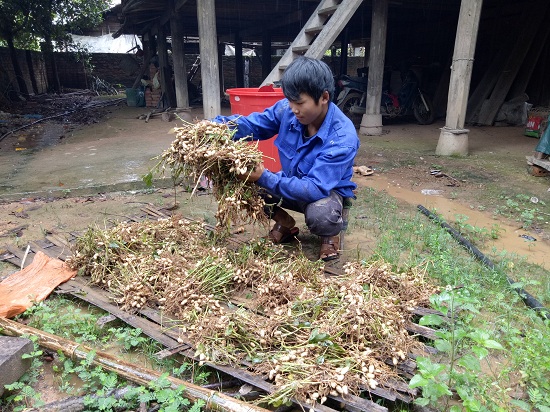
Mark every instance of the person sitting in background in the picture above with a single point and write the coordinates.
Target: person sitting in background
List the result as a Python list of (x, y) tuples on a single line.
[(317, 144)]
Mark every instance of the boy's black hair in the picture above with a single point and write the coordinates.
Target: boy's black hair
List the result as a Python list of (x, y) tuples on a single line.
[(307, 75)]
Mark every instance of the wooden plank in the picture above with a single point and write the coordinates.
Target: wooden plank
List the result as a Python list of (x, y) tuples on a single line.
[(531, 60), (544, 163), (81, 291), (59, 240), (156, 327), (362, 404), (423, 331), (77, 288), (531, 19), (11, 258), (50, 249), (390, 394), (486, 85)]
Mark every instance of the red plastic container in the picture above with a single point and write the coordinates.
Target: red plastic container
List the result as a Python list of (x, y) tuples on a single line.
[(248, 100)]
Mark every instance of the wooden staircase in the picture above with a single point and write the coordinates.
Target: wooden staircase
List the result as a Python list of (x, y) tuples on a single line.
[(317, 35)]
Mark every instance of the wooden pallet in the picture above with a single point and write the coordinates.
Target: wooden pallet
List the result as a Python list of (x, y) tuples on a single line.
[(161, 329)]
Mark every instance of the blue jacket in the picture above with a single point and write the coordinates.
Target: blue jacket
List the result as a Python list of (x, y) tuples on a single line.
[(311, 168)]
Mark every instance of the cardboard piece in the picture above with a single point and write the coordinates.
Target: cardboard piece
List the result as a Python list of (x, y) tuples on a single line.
[(20, 290)]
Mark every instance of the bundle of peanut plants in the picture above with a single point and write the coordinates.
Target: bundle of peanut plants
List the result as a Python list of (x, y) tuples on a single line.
[(207, 150), (312, 336)]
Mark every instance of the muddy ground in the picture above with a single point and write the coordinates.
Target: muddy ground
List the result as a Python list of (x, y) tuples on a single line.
[(478, 186), (402, 160)]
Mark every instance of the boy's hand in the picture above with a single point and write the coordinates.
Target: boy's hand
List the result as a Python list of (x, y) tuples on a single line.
[(254, 175)]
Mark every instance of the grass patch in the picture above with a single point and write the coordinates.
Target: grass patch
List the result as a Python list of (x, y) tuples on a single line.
[(493, 353)]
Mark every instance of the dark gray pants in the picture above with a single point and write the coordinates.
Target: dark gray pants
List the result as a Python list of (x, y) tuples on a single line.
[(323, 217)]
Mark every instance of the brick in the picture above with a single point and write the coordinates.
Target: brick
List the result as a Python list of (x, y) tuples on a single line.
[(12, 365)]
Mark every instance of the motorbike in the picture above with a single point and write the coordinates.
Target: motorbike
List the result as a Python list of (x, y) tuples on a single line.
[(409, 100)]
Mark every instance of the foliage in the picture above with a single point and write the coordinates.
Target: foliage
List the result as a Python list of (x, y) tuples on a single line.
[(485, 304), (30, 22), (465, 346), (529, 210), (63, 317)]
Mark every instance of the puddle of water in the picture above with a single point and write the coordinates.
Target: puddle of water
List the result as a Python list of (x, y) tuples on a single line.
[(509, 239)]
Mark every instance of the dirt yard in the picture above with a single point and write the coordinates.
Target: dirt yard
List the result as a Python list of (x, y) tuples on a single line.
[(480, 186), (42, 192)]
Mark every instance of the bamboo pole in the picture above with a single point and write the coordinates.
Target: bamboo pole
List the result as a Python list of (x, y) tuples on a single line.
[(135, 373)]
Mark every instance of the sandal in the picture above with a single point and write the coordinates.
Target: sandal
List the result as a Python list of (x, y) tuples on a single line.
[(281, 234), (329, 248)]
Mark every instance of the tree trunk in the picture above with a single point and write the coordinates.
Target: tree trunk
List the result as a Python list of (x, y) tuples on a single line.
[(32, 74), (49, 56), (17, 68)]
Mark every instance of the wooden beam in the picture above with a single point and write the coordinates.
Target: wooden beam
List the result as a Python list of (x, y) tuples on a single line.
[(176, 5), (531, 19), (266, 53), (371, 123), (165, 68), (178, 61), (273, 23), (239, 61), (530, 62), (206, 14)]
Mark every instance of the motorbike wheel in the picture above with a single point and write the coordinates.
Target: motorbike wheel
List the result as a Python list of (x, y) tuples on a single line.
[(423, 115), (352, 99)]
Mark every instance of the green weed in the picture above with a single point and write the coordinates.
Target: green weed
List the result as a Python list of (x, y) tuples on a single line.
[(66, 318), (488, 334)]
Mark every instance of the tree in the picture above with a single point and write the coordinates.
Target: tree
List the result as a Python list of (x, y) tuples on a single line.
[(26, 22), (14, 21), (55, 18)]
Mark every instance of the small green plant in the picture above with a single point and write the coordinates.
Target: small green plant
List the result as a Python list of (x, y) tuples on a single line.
[(523, 208), (475, 234), (530, 361), (496, 230), (130, 338), (464, 347), (111, 393)]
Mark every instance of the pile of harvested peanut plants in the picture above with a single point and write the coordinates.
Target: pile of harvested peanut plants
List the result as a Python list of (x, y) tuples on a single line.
[(312, 336), (206, 150)]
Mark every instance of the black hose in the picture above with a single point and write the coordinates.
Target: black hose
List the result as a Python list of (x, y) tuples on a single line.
[(527, 298)]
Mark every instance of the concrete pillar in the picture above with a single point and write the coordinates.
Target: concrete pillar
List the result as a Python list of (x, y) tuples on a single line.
[(208, 46), (453, 139), (178, 58), (371, 124)]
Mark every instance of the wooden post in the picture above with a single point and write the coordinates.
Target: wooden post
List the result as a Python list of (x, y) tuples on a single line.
[(453, 139), (344, 42), (221, 53), (178, 59), (371, 124), (266, 53), (239, 61), (206, 13), (147, 54), (165, 70)]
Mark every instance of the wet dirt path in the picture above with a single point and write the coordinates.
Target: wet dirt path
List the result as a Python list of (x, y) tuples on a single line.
[(509, 240)]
